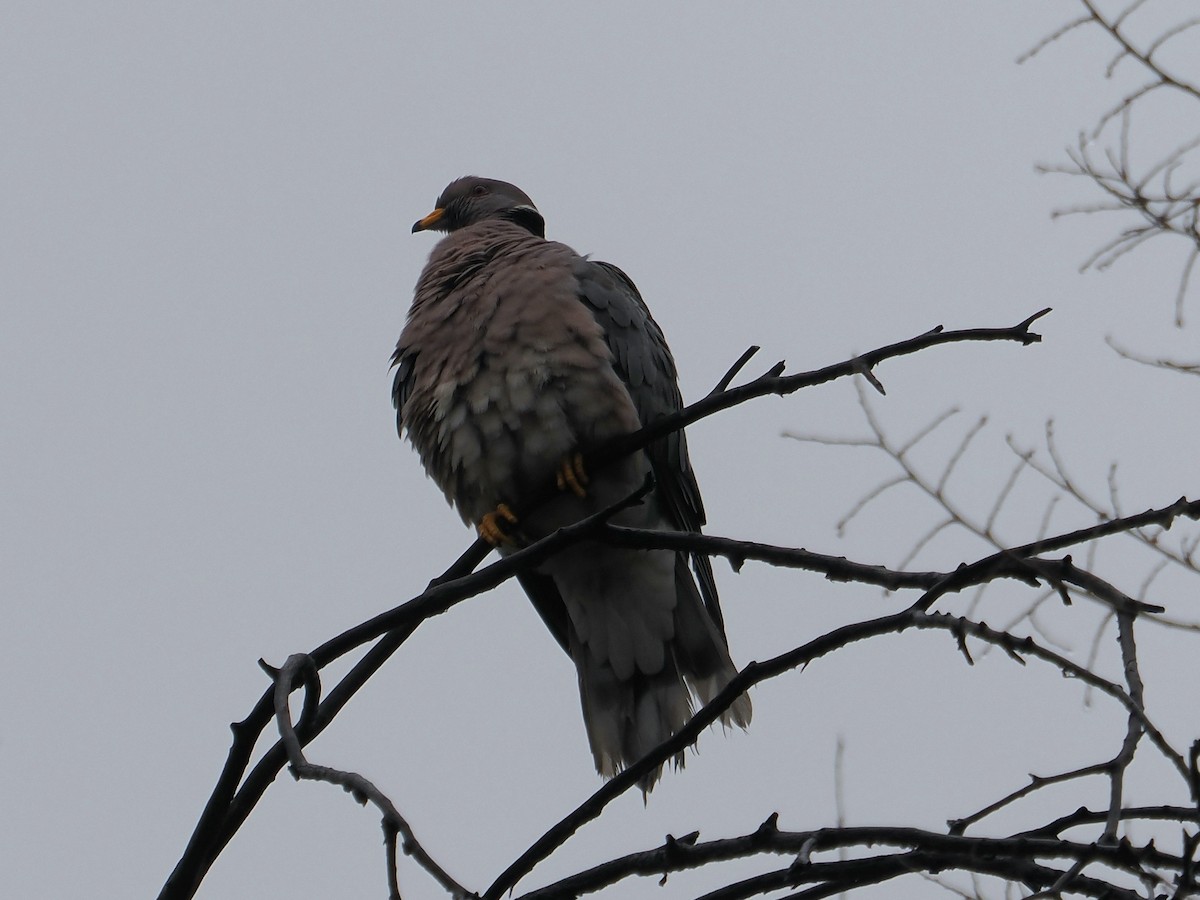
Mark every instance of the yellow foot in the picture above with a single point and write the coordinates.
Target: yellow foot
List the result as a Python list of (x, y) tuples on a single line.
[(571, 475), (492, 531)]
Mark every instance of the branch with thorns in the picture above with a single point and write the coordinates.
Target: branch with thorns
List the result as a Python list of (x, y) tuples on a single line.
[(239, 790), (240, 787)]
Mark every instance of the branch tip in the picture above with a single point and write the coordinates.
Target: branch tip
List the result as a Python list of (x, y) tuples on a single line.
[(1024, 326), (728, 377)]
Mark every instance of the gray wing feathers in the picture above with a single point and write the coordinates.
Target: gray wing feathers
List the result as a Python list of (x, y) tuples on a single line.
[(644, 362), (517, 351)]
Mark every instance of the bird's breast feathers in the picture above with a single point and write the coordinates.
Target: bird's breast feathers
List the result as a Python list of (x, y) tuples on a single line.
[(513, 372)]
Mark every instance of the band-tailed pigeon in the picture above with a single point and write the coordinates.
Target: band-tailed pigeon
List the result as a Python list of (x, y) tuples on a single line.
[(518, 354)]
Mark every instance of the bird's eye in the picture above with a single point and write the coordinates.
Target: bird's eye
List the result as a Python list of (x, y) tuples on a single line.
[(479, 190)]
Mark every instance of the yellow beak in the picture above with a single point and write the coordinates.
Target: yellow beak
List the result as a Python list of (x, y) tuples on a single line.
[(429, 221)]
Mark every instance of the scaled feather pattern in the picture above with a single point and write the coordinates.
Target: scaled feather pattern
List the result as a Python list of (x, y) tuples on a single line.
[(517, 354)]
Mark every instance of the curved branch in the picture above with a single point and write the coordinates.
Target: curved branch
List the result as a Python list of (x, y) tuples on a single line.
[(948, 850), (229, 804), (755, 672)]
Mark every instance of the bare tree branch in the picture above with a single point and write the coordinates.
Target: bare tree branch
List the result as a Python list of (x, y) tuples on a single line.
[(300, 666), (1163, 207), (234, 796)]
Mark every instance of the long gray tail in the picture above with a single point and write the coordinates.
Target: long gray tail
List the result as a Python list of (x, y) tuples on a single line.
[(679, 656)]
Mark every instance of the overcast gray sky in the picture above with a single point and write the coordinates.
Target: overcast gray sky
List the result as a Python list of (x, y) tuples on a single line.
[(205, 261)]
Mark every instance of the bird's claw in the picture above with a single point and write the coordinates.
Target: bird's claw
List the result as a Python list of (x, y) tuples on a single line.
[(491, 529), (572, 476)]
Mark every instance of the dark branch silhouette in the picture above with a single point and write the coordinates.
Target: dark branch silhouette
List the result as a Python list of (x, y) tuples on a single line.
[(1021, 574), (238, 791)]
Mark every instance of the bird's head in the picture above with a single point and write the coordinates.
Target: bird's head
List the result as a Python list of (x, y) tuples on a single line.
[(473, 199)]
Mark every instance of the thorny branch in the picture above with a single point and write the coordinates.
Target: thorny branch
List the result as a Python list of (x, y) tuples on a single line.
[(1010, 858), (753, 673), (237, 792), (1122, 608), (1055, 472), (677, 855), (1039, 859), (1166, 209)]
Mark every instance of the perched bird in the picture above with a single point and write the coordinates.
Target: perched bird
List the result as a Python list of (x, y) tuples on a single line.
[(517, 355)]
